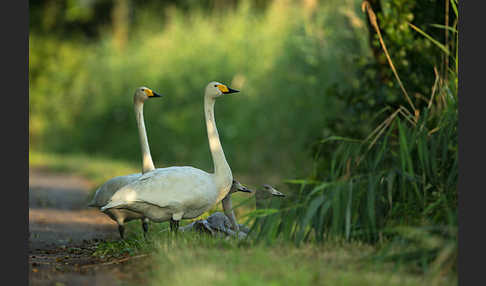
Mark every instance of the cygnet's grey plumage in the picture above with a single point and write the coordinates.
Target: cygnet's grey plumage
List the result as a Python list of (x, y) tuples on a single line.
[(219, 222)]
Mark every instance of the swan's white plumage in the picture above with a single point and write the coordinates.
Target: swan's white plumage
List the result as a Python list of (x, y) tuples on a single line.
[(185, 191), (105, 191), (181, 192)]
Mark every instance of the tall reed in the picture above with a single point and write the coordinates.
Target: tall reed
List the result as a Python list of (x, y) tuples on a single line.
[(398, 185)]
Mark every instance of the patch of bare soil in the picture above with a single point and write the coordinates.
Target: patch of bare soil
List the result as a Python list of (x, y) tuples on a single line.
[(64, 233)]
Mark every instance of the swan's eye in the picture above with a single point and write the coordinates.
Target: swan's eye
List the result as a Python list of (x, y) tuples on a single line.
[(143, 89), (215, 85)]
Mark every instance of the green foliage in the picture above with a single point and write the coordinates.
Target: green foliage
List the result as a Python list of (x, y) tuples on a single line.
[(414, 57), (190, 259), (280, 59), (399, 182), (409, 178)]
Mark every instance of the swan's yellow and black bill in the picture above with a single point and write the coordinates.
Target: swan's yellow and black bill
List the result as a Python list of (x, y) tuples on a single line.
[(150, 93), (226, 90), (156, 95), (231, 91)]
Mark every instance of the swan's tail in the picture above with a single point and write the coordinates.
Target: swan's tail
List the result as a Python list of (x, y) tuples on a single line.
[(110, 205), (92, 204)]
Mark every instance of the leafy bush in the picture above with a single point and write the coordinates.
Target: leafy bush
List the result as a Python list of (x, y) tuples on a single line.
[(401, 179), (414, 57)]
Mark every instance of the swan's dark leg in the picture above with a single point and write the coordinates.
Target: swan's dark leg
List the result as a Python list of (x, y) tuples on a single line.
[(121, 230), (174, 225), (145, 227), (120, 220)]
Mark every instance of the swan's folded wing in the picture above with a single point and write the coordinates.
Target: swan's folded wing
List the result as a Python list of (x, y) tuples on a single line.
[(163, 187), (104, 193)]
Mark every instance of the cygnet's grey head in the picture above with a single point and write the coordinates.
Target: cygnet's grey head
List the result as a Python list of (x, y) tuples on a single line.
[(272, 191), (238, 187), (264, 197)]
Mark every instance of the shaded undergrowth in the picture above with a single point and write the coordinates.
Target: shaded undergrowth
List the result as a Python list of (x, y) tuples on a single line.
[(396, 189)]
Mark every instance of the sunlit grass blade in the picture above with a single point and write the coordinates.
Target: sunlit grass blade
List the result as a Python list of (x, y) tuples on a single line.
[(454, 7), (434, 41), (450, 29)]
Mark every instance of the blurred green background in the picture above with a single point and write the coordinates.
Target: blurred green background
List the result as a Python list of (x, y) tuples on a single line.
[(87, 57), (300, 65)]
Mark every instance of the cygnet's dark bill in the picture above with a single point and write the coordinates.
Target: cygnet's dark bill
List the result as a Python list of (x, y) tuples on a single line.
[(244, 189), (277, 193)]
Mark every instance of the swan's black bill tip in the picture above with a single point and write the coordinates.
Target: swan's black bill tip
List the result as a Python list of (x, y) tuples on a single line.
[(156, 95), (230, 90)]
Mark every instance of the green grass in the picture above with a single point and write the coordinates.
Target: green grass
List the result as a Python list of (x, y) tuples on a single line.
[(198, 258), (194, 259)]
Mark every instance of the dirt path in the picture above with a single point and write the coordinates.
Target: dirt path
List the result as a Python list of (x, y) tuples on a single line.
[(64, 233)]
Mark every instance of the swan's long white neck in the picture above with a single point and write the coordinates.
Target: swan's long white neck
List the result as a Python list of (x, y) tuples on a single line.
[(222, 172), (147, 163)]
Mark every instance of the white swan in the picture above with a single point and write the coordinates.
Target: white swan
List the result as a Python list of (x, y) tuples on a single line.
[(176, 193), (105, 191)]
